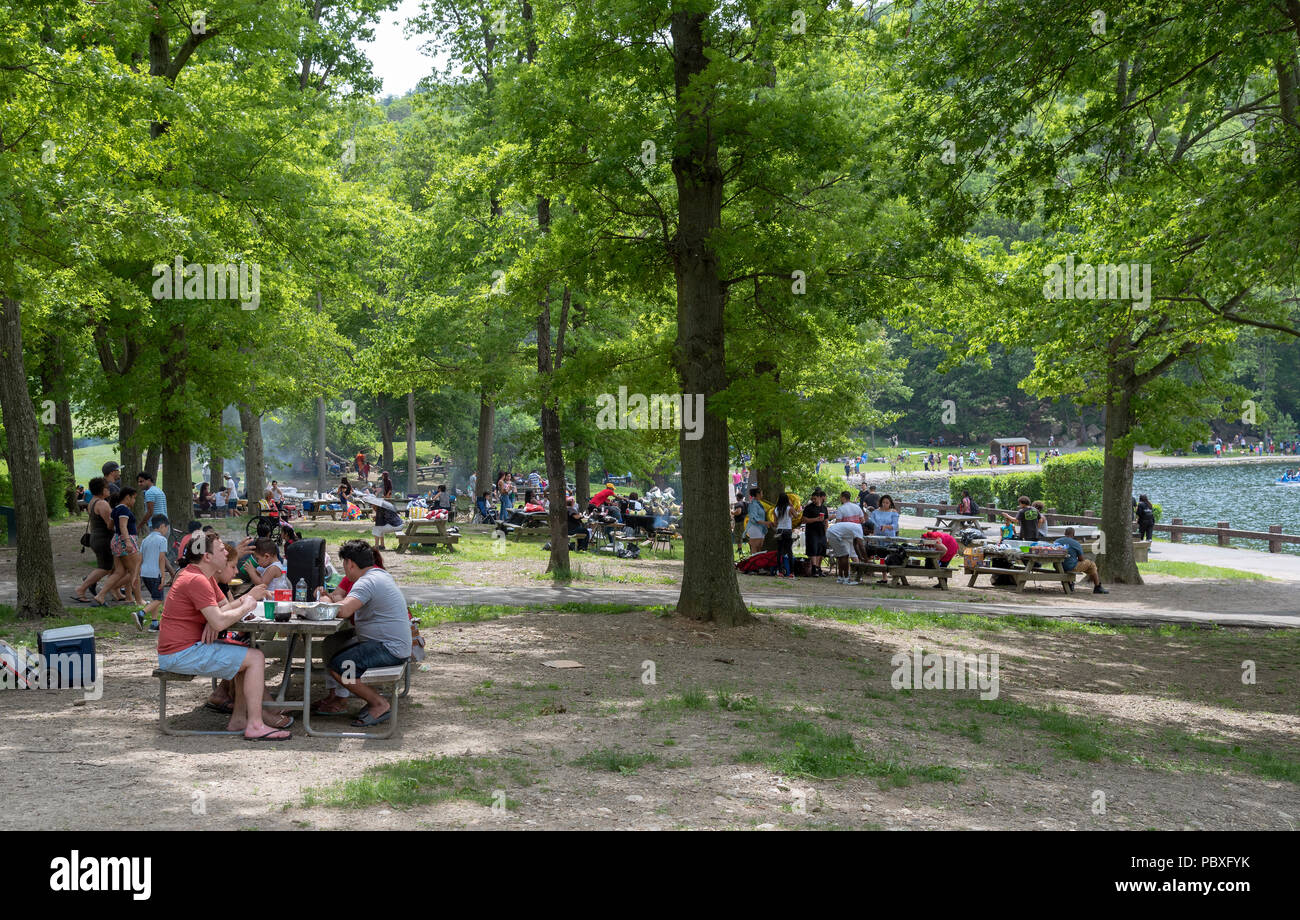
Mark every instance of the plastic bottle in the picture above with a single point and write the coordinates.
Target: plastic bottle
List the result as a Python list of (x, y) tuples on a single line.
[(300, 590)]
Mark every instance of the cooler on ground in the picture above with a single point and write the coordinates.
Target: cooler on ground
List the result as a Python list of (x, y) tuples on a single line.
[(69, 657)]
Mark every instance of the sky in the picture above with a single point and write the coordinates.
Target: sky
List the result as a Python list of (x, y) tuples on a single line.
[(397, 59)]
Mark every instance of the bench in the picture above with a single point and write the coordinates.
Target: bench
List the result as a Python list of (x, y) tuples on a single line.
[(896, 572), (380, 677), (1023, 576), (163, 678), (332, 513), (426, 533)]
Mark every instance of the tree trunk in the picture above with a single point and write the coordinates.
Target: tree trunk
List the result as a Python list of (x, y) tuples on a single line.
[(581, 477), (218, 466), (250, 423), (128, 448), (38, 592), (151, 458), (411, 463), (67, 452), (486, 424), (385, 433), (176, 467), (552, 445), (322, 459), (768, 445), (1117, 490), (709, 589)]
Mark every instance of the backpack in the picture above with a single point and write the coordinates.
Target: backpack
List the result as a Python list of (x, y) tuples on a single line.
[(758, 563)]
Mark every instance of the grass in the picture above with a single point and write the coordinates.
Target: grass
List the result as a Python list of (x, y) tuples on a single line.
[(423, 781), (436, 614), (109, 623), (1196, 570), (816, 754)]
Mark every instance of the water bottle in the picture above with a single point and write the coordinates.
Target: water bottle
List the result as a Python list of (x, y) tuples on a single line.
[(300, 590)]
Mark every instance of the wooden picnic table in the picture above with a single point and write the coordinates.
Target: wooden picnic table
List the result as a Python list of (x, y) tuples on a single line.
[(1030, 568), (426, 533), (929, 568), (956, 522), (297, 629)]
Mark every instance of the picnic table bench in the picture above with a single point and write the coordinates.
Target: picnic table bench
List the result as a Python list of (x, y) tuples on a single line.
[(426, 533), (527, 525), (896, 573), (1033, 568)]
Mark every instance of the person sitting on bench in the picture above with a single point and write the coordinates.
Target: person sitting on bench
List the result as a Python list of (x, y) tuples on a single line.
[(193, 617), (381, 639), (1075, 562)]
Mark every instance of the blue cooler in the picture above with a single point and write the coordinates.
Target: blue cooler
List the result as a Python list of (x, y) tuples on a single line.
[(57, 648)]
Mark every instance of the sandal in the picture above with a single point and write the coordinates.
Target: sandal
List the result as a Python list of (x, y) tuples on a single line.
[(367, 720), (267, 736), (225, 708)]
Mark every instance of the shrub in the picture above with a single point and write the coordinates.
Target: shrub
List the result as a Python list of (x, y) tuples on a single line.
[(1072, 483), (55, 480), (1008, 487)]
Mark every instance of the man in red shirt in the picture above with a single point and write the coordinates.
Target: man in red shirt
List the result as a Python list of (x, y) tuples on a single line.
[(193, 615), (604, 495)]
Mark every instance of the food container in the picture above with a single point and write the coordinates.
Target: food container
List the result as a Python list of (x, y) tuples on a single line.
[(316, 611)]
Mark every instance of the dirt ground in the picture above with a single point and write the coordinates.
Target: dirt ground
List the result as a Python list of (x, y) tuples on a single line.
[(788, 722)]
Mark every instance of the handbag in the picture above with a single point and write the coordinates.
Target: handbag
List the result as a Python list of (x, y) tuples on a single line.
[(85, 537)]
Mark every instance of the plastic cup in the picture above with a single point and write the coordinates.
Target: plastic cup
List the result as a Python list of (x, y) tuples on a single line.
[(268, 609)]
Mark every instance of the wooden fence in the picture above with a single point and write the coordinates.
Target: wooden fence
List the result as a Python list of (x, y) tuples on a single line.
[(1175, 528)]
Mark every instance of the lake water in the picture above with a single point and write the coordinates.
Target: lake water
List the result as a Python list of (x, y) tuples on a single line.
[(1245, 495)]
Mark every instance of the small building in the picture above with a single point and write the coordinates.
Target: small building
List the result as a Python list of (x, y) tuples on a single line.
[(1010, 451)]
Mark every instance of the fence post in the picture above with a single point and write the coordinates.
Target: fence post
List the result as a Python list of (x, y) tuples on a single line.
[(1087, 513), (1175, 535), (1275, 546), (1223, 538)]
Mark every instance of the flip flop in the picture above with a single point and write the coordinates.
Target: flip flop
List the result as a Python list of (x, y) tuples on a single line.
[(224, 708), (368, 720), (81, 600), (330, 712), (267, 736), (280, 728)]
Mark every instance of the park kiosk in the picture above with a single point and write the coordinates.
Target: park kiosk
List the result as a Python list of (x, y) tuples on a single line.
[(1010, 451)]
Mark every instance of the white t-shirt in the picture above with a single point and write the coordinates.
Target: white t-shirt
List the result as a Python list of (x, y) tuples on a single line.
[(783, 521), (845, 531), (849, 511)]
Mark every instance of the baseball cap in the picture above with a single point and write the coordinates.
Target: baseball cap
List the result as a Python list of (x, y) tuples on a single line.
[(109, 467)]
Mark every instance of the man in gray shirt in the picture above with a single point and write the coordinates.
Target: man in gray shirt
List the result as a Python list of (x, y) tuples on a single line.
[(383, 633)]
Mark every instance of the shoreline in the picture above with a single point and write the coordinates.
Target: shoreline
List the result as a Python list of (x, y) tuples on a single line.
[(1141, 461)]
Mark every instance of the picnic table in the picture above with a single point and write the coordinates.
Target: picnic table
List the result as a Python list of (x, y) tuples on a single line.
[(1022, 567), (298, 631), (527, 524), (927, 568), (956, 522), (426, 533)]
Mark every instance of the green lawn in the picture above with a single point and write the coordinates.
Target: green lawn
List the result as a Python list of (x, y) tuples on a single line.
[(1196, 570)]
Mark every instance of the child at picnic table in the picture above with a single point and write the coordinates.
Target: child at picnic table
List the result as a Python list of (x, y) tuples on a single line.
[(265, 568), (950, 547)]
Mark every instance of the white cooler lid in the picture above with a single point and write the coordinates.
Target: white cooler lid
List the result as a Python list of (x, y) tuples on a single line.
[(85, 631)]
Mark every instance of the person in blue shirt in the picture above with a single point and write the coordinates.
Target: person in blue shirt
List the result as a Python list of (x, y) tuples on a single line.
[(1074, 562), (885, 518), (155, 500)]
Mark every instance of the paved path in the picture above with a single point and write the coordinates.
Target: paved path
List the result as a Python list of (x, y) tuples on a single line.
[(547, 596)]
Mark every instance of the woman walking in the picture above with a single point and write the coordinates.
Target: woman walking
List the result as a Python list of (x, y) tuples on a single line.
[(125, 546), (100, 529)]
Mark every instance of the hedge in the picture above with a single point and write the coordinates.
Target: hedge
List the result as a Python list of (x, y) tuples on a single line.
[(1000, 491), (1073, 482), (54, 480), (980, 488)]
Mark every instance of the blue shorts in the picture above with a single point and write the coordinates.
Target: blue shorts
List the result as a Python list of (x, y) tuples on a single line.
[(216, 659), (154, 585), (370, 653)]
